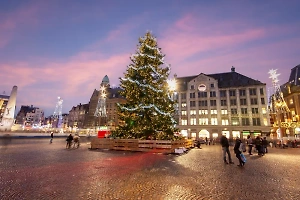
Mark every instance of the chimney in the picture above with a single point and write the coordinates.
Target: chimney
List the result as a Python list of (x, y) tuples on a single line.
[(232, 69)]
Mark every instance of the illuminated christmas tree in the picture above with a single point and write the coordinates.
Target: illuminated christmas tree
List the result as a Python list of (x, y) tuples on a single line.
[(148, 112)]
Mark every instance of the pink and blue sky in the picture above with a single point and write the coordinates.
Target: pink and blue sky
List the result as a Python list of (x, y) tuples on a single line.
[(64, 48)]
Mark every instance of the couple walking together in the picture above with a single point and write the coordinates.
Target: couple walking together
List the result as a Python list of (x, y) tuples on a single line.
[(225, 148)]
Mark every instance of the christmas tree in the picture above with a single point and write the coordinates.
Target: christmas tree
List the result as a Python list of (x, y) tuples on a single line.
[(149, 108)]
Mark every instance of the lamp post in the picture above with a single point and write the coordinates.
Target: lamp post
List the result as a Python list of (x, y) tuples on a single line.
[(172, 85)]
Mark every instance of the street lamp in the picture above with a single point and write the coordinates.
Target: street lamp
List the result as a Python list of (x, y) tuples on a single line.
[(172, 85)]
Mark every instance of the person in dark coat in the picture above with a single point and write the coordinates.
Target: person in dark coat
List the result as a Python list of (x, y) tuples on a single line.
[(225, 148), (238, 152), (258, 145), (69, 141), (265, 145), (51, 137)]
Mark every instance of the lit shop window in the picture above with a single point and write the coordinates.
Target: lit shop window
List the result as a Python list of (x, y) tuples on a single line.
[(192, 112), (203, 121), (183, 122), (193, 121), (264, 110), (225, 122), (214, 121), (203, 112), (265, 121), (235, 121), (213, 112), (224, 112), (183, 112)]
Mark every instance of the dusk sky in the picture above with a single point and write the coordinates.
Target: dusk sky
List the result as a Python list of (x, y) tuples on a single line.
[(64, 48)]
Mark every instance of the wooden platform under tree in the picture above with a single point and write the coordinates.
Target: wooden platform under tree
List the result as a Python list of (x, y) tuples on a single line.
[(157, 146)]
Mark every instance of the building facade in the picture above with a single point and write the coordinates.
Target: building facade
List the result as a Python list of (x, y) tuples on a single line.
[(30, 115), (291, 95), (111, 107), (77, 116), (35, 118), (112, 97), (210, 105)]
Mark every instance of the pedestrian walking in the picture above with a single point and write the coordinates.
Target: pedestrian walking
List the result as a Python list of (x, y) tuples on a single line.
[(238, 151), (51, 137), (258, 145), (265, 144), (225, 149), (250, 144), (69, 141)]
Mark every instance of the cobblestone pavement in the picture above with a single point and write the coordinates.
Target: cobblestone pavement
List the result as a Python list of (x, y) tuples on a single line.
[(34, 169)]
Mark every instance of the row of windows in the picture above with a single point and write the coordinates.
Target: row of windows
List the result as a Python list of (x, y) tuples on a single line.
[(223, 102), (224, 112), (223, 93), (214, 121)]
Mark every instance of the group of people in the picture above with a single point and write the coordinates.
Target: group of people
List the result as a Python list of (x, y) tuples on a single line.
[(261, 145), (70, 139)]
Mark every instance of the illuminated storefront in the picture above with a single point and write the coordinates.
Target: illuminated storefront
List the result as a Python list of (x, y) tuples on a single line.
[(256, 133), (203, 134), (226, 133), (245, 134), (236, 134)]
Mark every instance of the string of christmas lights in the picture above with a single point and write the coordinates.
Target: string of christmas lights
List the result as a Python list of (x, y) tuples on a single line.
[(149, 106), (158, 74), (142, 54), (144, 38), (153, 69), (140, 84), (153, 48)]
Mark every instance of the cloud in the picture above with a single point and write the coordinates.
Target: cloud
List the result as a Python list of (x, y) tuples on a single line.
[(24, 17), (226, 43), (74, 79), (192, 42)]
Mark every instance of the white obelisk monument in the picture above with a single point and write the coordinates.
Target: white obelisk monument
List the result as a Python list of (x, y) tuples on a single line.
[(8, 116)]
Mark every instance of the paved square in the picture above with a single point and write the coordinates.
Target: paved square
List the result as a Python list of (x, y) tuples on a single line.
[(34, 169)]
